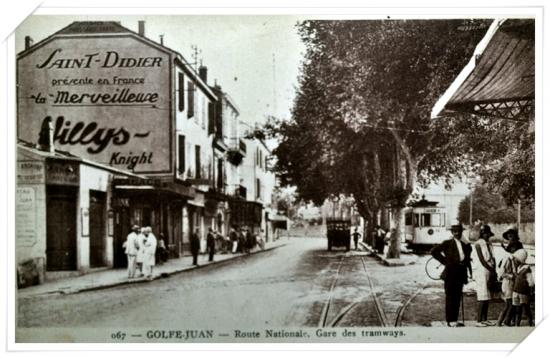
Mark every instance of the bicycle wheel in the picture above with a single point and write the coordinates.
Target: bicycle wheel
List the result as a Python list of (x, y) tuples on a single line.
[(434, 269)]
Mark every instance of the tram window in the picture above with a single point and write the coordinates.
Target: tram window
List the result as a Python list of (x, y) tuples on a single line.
[(425, 220), (436, 220), (416, 220), (408, 219), (442, 219)]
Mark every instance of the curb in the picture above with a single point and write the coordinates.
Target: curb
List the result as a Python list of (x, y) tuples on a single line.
[(155, 277), (390, 262)]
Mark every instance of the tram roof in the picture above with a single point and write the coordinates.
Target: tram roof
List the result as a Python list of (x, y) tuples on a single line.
[(499, 80)]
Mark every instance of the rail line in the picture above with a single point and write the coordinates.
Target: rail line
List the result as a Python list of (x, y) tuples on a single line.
[(326, 307), (382, 317), (323, 321)]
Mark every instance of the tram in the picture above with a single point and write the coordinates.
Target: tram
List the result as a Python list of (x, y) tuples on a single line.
[(425, 225)]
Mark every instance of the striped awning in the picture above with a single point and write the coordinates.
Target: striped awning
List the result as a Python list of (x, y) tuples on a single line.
[(499, 80)]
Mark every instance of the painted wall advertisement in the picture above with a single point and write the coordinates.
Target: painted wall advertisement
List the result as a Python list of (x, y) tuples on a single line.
[(107, 99)]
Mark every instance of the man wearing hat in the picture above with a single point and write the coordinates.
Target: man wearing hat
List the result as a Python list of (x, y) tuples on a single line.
[(131, 248), (455, 255)]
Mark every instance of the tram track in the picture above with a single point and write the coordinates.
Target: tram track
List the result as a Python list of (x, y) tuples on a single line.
[(367, 301), (344, 311)]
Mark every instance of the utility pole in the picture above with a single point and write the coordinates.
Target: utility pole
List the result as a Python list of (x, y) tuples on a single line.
[(519, 212), (471, 207)]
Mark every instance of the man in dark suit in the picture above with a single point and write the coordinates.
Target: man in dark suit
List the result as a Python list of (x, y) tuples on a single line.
[(455, 255), (195, 246)]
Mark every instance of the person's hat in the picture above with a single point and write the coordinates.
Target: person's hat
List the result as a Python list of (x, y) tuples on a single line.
[(520, 255), (457, 225), (511, 229), (135, 227), (487, 229)]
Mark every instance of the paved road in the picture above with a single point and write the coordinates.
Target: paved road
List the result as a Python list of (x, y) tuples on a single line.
[(298, 285), (284, 287)]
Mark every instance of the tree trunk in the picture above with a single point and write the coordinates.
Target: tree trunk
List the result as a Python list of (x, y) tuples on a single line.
[(406, 177), (394, 249)]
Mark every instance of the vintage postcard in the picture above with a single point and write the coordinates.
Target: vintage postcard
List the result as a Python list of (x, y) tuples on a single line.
[(276, 178)]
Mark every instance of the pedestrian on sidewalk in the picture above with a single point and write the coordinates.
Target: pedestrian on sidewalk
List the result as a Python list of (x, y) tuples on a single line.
[(241, 246), (454, 254), (195, 246), (524, 282), (356, 235), (484, 274), (387, 238), (260, 241), (150, 248), (234, 239), (211, 244), (162, 253), (141, 251), (379, 239), (131, 248), (250, 241), (506, 271)]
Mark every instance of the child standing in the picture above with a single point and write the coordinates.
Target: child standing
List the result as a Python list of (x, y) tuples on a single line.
[(506, 273), (521, 297)]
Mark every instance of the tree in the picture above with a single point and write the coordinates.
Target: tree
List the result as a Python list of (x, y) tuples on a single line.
[(360, 123), (490, 207)]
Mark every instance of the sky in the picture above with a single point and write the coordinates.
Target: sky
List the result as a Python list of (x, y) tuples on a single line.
[(256, 59)]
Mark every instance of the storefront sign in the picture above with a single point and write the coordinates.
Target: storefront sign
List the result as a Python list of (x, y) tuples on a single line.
[(63, 173), (25, 216), (30, 172), (107, 98)]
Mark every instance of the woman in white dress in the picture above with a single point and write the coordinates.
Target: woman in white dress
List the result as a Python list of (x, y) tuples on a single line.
[(483, 268)]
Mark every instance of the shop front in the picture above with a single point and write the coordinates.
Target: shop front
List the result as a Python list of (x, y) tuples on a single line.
[(64, 225), (245, 214), (150, 202)]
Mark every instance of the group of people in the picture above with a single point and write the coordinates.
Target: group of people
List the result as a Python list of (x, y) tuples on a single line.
[(242, 240), (141, 249), (511, 278)]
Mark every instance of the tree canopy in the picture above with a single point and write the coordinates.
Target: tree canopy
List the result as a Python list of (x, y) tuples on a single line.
[(364, 99), (492, 208)]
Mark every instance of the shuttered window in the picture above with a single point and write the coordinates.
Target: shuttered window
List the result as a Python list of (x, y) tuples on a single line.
[(190, 99), (181, 154), (181, 92)]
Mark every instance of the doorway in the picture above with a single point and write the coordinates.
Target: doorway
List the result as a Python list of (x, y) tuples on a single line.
[(97, 228), (61, 202)]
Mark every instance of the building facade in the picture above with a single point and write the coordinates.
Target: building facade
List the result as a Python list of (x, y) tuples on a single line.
[(160, 147)]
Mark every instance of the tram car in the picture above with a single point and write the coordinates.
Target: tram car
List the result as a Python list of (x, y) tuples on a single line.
[(425, 225), (338, 233)]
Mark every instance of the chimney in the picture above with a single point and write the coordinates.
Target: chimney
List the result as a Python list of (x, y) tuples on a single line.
[(161, 40), (203, 73), (141, 28), (28, 42)]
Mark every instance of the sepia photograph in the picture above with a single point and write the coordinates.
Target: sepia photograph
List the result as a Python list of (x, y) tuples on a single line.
[(275, 178)]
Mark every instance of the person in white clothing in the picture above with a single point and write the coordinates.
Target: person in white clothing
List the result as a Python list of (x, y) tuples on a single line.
[(149, 249), (131, 248), (483, 267)]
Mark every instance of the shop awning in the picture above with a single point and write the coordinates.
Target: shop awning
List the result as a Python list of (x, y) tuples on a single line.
[(142, 185), (499, 80)]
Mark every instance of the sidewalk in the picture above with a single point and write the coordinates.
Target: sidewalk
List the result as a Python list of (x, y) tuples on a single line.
[(115, 277), (406, 257)]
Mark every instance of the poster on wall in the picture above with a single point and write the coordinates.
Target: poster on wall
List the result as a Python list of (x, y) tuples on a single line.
[(107, 97)]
